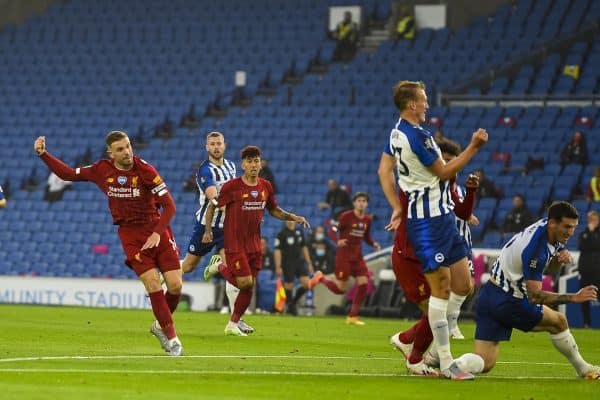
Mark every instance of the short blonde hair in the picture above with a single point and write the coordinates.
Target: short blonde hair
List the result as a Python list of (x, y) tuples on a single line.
[(405, 91)]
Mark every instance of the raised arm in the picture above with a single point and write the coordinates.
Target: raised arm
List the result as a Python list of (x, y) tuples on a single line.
[(55, 165), (445, 172)]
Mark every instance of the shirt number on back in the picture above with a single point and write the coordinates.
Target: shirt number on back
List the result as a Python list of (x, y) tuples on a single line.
[(402, 167)]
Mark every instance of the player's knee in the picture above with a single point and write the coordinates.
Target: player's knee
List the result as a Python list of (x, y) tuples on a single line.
[(174, 287), (561, 324), (463, 288)]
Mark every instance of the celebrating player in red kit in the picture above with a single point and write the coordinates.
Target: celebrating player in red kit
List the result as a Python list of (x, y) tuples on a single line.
[(135, 193), (244, 199)]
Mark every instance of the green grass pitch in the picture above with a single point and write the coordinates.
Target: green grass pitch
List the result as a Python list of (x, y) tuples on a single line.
[(84, 353)]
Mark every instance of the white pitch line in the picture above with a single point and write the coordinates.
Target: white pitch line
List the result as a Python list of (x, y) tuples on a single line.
[(229, 356), (49, 358), (263, 373)]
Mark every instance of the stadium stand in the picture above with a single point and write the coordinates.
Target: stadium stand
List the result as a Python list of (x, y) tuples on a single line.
[(84, 68)]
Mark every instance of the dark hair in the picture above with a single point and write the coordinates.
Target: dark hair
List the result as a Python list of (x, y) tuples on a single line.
[(406, 91), (360, 194), (449, 146), (562, 209), (250, 152)]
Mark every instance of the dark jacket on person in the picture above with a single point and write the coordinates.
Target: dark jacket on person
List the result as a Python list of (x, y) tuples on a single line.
[(589, 255)]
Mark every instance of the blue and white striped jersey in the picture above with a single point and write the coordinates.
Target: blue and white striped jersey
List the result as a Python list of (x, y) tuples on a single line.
[(210, 174), (461, 224), (524, 257), (415, 150)]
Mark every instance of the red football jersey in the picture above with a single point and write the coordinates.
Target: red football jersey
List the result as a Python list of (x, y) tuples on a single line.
[(244, 209), (132, 195), (355, 230)]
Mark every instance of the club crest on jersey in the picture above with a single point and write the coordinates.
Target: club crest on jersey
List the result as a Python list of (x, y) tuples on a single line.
[(122, 180), (254, 193), (439, 257), (134, 181), (533, 263)]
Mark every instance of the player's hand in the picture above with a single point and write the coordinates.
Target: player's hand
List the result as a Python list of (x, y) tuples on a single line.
[(472, 181), (302, 221), (473, 220), (377, 246), (278, 271), (207, 237), (563, 257), (342, 242), (152, 241), (40, 145), (479, 138), (395, 220), (588, 293)]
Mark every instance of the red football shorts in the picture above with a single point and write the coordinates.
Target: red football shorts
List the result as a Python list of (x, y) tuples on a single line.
[(165, 256), (410, 277), (346, 267), (243, 264)]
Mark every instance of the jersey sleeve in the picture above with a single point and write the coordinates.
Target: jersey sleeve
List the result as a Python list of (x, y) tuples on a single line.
[(367, 237), (204, 178), (270, 194), (534, 258), (152, 180), (424, 147), (226, 194)]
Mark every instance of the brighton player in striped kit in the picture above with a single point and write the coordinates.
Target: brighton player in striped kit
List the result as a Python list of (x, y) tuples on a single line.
[(513, 296), (414, 341), (424, 177), (211, 176)]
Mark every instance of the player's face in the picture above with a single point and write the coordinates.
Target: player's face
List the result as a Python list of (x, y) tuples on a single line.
[(360, 204), (561, 231), (122, 153), (215, 147), (251, 166), (421, 105)]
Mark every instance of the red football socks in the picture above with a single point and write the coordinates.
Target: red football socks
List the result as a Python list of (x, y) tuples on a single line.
[(361, 293), (172, 301), (241, 304), (162, 313)]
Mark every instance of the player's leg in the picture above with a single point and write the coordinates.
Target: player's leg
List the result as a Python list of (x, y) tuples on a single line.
[(342, 272), (300, 272), (482, 360), (170, 342), (461, 286), (196, 249), (556, 324), (360, 272), (244, 277)]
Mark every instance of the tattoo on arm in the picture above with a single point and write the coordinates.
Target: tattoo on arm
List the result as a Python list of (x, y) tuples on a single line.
[(549, 298)]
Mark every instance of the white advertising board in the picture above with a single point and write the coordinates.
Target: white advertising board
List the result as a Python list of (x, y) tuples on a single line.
[(104, 293)]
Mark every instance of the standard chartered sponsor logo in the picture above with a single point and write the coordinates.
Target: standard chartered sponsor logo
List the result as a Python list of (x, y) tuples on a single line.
[(123, 192), (253, 205)]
